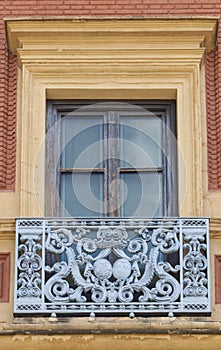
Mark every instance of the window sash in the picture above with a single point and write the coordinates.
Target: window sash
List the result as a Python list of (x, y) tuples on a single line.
[(112, 170)]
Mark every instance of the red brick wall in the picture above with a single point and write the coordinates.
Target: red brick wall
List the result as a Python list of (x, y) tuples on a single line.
[(4, 277), (217, 264), (16, 8)]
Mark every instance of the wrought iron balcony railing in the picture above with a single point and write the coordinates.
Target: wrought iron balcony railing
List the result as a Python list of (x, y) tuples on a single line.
[(112, 266)]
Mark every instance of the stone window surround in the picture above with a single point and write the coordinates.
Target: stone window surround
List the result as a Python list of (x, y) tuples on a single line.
[(112, 58)]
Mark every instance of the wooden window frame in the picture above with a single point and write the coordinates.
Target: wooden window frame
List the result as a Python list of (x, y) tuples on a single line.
[(57, 108)]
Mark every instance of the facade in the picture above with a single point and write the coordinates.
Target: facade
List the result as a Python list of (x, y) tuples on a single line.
[(110, 221)]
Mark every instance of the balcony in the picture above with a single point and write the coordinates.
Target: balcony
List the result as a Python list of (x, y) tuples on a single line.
[(112, 267)]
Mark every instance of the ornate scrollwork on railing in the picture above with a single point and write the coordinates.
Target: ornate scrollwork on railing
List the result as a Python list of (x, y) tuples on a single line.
[(29, 265), (112, 266), (195, 267)]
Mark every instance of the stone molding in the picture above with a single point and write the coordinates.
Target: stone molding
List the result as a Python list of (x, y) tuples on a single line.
[(154, 57), (107, 325), (7, 229), (22, 32)]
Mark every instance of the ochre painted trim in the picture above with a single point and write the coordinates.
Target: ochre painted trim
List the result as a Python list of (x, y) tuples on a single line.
[(110, 341), (148, 56), (7, 229), (112, 325), (202, 30)]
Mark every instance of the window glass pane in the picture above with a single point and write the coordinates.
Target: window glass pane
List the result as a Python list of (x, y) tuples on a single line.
[(141, 194), (82, 143), (141, 141), (82, 194)]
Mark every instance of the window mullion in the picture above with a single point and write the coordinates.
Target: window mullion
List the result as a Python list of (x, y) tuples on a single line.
[(105, 165), (169, 159), (113, 150)]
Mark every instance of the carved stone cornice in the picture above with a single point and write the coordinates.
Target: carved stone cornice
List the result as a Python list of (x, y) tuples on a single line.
[(215, 228), (7, 229), (191, 31)]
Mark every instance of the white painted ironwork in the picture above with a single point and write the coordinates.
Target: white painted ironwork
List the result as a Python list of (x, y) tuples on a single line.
[(112, 266)]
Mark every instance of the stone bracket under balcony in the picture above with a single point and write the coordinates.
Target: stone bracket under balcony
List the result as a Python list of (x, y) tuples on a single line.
[(112, 266)]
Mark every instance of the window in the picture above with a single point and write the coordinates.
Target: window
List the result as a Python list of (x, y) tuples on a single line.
[(142, 58), (111, 159)]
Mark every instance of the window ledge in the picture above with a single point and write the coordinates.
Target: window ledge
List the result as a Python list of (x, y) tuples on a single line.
[(112, 325)]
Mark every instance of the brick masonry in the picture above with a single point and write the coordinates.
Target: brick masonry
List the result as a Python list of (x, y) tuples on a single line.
[(8, 71), (4, 277), (217, 279)]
